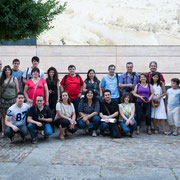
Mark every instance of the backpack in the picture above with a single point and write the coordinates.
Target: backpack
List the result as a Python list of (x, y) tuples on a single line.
[(77, 76)]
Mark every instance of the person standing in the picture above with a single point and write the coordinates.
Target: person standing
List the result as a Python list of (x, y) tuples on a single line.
[(8, 90), (73, 84), (129, 79), (158, 112), (0, 68), (16, 118), (34, 87), (17, 73), (173, 107), (27, 75), (144, 93), (111, 82), (153, 68)]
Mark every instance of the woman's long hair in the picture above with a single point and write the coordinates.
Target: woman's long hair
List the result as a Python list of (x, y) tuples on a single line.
[(3, 76), (94, 99), (55, 77), (159, 78), (88, 78)]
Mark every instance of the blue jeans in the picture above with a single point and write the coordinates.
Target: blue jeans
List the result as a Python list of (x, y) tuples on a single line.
[(94, 123), (110, 126), (23, 131), (33, 127), (76, 104), (130, 128)]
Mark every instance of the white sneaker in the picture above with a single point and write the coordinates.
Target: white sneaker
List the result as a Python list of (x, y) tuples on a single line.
[(94, 134)]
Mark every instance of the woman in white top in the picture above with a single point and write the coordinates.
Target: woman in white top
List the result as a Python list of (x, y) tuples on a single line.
[(158, 111), (65, 116)]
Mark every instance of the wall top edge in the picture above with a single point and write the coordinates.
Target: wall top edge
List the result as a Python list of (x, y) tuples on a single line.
[(66, 46)]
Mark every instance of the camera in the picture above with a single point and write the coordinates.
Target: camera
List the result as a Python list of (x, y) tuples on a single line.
[(146, 99), (41, 115)]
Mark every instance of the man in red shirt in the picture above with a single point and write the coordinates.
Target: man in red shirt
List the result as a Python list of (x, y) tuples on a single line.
[(153, 68), (73, 84)]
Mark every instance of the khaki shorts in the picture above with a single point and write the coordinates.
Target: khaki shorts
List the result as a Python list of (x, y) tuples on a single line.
[(173, 116)]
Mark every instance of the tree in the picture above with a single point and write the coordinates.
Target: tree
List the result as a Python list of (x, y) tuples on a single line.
[(20, 19)]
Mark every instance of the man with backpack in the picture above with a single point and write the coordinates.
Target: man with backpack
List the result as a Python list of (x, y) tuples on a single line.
[(129, 79), (73, 84)]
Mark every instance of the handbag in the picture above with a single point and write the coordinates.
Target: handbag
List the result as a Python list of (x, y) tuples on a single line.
[(117, 126), (156, 103)]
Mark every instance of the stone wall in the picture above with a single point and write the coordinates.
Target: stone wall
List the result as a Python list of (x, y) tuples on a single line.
[(96, 57)]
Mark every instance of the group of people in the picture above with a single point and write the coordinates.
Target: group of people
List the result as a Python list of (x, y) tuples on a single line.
[(116, 104)]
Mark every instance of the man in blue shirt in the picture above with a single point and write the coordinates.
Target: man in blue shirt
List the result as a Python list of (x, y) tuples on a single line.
[(129, 79), (17, 73), (110, 81)]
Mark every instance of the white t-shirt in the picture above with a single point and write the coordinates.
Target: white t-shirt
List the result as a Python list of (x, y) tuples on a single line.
[(18, 114), (66, 110), (27, 73)]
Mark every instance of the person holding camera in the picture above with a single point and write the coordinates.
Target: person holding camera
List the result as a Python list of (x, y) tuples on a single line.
[(39, 118), (128, 80), (144, 93)]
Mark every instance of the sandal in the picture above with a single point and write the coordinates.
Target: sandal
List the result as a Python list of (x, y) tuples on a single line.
[(2, 135), (149, 132)]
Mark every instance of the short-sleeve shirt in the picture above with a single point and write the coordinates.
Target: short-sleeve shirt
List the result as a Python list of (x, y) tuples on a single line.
[(66, 110), (112, 107), (18, 74), (126, 79), (94, 86), (126, 108), (162, 78), (173, 97), (85, 108), (72, 85), (27, 73), (111, 83), (34, 112), (18, 114), (39, 89)]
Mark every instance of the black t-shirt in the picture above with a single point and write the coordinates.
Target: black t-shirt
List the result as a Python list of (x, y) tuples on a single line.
[(34, 112), (112, 107)]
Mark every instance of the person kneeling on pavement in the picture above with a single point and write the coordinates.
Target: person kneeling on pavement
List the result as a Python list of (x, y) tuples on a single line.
[(15, 119), (39, 118), (109, 114)]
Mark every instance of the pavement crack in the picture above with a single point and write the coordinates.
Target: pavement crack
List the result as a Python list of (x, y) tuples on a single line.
[(174, 173)]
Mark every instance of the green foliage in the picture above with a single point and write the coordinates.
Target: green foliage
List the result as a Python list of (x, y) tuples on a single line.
[(20, 19)]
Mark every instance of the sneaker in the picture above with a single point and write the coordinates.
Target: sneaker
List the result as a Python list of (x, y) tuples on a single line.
[(94, 134), (175, 133), (156, 132), (169, 132), (34, 140)]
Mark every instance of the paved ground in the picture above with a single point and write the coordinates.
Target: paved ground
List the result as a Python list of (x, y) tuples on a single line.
[(82, 157)]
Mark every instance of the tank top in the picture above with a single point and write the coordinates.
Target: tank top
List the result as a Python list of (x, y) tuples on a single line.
[(143, 91), (9, 89)]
